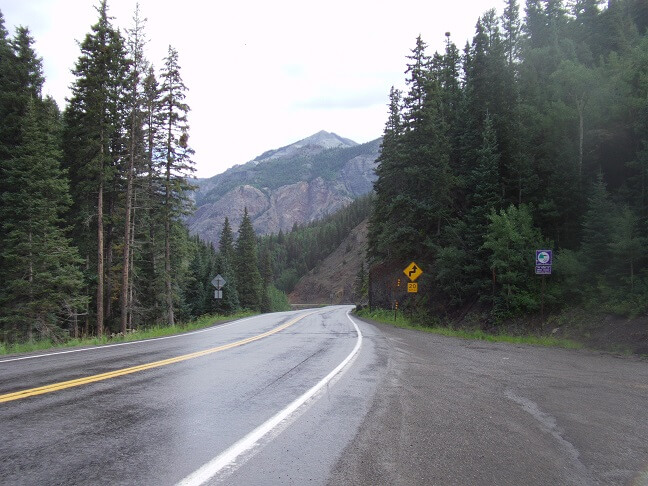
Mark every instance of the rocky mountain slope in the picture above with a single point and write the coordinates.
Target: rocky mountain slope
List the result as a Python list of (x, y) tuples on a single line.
[(291, 185), (332, 282)]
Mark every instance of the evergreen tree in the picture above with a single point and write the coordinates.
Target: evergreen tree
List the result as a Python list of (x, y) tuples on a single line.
[(225, 267), (510, 241), (135, 157), (150, 190), (41, 268), (512, 28), (361, 285), (92, 145), (226, 241), (266, 281), (383, 223), (10, 106), (424, 202), (177, 164), (597, 226), (248, 277), (627, 248), (9, 117)]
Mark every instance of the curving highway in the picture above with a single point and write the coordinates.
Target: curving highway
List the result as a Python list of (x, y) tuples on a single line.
[(319, 397), (190, 409)]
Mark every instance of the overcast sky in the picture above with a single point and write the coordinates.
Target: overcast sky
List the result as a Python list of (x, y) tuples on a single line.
[(263, 74)]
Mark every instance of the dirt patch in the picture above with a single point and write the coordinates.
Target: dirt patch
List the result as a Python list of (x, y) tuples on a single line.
[(603, 331), (594, 330)]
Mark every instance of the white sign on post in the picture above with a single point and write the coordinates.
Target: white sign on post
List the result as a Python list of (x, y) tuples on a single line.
[(218, 282)]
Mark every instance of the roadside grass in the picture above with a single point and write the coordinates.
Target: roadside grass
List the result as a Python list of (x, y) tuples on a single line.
[(402, 321), (137, 335)]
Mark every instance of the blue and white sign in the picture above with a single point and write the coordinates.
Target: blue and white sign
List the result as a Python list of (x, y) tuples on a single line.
[(543, 262), (544, 257)]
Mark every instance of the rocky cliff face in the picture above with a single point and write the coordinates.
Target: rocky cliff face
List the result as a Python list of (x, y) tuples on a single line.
[(291, 185)]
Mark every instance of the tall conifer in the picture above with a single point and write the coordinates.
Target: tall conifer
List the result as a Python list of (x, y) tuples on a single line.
[(43, 280), (248, 277), (93, 128), (177, 163)]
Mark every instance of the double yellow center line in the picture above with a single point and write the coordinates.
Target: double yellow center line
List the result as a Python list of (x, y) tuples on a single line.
[(30, 392)]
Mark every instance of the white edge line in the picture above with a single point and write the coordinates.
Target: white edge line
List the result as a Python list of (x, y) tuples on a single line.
[(227, 457), (105, 346)]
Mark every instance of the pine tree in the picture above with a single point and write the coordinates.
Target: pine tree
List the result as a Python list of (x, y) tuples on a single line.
[(627, 248), (177, 164), (383, 222), (248, 277), (597, 226), (150, 190), (9, 117), (135, 157), (224, 266), (92, 144), (510, 241), (226, 240), (266, 281), (230, 301), (10, 107), (41, 268), (512, 31)]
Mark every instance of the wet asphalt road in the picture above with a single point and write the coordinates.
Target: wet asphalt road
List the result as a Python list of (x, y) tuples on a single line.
[(409, 409), (456, 412), (159, 425)]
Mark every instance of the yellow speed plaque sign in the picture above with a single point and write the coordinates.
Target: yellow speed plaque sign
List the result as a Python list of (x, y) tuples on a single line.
[(413, 271)]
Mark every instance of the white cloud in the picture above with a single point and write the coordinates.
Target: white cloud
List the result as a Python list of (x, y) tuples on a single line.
[(263, 74)]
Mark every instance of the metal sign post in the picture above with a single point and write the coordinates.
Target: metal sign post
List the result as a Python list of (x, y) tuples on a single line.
[(543, 261), (218, 282)]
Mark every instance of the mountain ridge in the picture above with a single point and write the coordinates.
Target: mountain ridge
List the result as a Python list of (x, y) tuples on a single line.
[(294, 184)]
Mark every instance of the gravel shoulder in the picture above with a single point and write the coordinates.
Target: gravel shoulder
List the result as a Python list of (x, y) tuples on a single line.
[(450, 411)]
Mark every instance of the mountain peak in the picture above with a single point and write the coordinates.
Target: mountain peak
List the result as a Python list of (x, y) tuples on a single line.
[(321, 140), (327, 140)]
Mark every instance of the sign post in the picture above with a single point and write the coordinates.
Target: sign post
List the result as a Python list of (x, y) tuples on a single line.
[(412, 272), (543, 261), (218, 282)]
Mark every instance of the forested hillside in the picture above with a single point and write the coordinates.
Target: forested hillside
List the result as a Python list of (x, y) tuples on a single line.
[(93, 199), (534, 136)]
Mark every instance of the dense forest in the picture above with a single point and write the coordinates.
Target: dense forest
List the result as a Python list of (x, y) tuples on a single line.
[(535, 136), (93, 199)]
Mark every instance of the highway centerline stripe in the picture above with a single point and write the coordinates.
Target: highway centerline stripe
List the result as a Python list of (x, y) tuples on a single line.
[(30, 392)]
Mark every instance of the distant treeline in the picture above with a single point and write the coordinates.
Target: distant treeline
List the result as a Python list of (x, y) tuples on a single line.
[(261, 270), (535, 136)]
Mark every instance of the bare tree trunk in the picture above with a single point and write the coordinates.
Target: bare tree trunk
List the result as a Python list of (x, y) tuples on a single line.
[(167, 228), (167, 272), (31, 289), (100, 259), (581, 106), (131, 285), (109, 238), (127, 236)]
